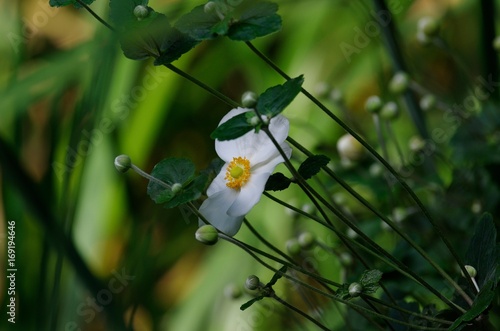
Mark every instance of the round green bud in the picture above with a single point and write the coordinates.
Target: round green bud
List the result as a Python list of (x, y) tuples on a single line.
[(355, 289), (373, 104), (416, 144), (428, 26), (306, 240), (141, 12), (349, 148), (293, 247), (399, 82), (390, 111), (346, 259), (336, 95), (249, 99), (207, 235), (423, 38), (252, 283), (471, 271), (496, 43), (376, 170), (399, 214), (427, 102), (123, 163), (209, 7), (176, 188), (232, 291), (321, 89)]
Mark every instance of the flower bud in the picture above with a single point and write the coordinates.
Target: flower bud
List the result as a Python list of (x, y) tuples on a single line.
[(176, 188), (376, 170), (428, 26), (249, 99), (416, 144), (252, 283), (321, 89), (336, 95), (471, 271), (123, 163), (399, 82), (293, 247), (209, 7), (349, 148), (232, 291), (355, 289), (207, 235), (389, 111), (496, 43), (427, 102), (306, 240), (141, 12), (373, 104), (346, 259)]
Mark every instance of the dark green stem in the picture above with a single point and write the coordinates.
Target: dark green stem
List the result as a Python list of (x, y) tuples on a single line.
[(392, 44), (372, 151), (300, 312), (84, 5), (204, 86)]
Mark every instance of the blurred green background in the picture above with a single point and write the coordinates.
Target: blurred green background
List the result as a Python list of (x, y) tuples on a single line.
[(70, 102)]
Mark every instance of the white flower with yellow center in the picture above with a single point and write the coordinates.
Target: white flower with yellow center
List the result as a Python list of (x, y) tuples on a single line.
[(249, 161)]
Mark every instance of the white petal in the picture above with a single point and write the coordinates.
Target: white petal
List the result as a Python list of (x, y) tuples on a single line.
[(279, 127), (219, 183), (272, 161), (249, 195), (254, 146), (214, 209), (232, 113)]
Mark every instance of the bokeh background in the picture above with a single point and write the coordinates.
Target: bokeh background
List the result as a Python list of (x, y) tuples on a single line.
[(70, 102)]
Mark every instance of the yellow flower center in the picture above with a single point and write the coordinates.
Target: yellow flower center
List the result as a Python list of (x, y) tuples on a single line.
[(237, 173)]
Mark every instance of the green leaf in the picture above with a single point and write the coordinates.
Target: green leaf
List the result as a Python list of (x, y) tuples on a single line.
[(150, 36), (370, 280), (235, 127), (277, 182), (256, 21), (189, 193), (482, 250), (61, 3), (251, 302), (170, 171), (201, 25), (312, 165), (277, 276), (481, 303), (275, 99), (174, 45)]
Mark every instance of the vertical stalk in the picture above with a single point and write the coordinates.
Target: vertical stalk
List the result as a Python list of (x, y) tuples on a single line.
[(490, 63), (392, 44)]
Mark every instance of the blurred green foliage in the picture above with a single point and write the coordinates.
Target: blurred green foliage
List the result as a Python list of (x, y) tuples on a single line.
[(70, 102)]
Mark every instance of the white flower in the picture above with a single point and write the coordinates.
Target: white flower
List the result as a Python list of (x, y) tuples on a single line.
[(249, 161)]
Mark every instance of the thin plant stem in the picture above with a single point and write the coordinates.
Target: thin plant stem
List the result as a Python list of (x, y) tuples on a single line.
[(367, 239), (204, 86), (372, 151), (248, 250), (84, 5), (300, 312), (390, 37), (266, 242), (368, 205)]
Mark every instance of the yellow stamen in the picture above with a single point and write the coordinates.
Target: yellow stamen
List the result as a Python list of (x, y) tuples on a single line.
[(237, 173)]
